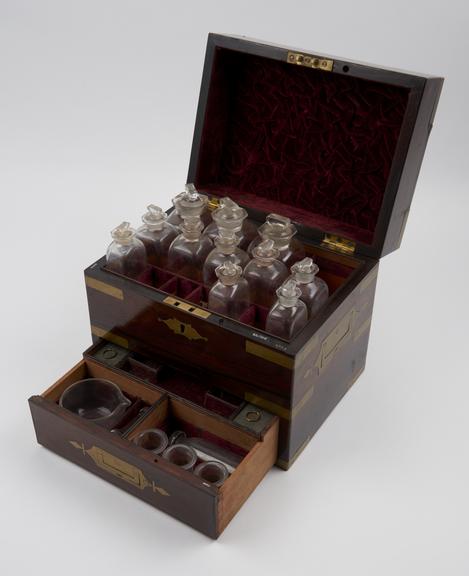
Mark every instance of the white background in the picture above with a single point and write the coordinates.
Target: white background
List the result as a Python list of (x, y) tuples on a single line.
[(97, 107)]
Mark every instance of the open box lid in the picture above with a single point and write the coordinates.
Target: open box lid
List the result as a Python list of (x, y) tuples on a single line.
[(333, 144)]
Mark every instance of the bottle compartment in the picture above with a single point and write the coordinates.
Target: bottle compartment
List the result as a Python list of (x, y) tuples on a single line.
[(334, 269)]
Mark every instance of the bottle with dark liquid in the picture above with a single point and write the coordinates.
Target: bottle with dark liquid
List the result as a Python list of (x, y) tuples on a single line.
[(126, 254), (157, 235)]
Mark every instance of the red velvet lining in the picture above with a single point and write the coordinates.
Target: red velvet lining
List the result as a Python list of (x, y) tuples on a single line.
[(315, 146)]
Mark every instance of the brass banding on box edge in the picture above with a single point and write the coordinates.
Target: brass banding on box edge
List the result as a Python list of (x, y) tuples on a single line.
[(362, 328), (272, 407), (307, 349), (104, 288), (269, 355), (110, 336), (366, 283), (286, 464)]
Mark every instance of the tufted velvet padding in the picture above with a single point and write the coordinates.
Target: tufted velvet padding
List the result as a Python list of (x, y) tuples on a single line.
[(313, 145)]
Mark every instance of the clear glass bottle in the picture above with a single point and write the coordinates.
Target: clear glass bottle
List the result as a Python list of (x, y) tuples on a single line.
[(157, 235), (230, 295), (280, 230), (231, 216), (226, 247), (189, 250), (314, 290), (289, 314), (126, 254), (180, 201), (265, 273)]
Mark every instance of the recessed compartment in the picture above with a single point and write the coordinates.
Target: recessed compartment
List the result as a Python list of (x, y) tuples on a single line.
[(250, 450), (334, 270)]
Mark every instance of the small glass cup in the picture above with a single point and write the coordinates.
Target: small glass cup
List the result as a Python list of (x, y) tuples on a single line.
[(213, 472), (181, 455), (96, 399), (152, 439)]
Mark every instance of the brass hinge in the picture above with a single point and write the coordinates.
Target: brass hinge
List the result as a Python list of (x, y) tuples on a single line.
[(339, 244), (310, 61), (213, 203)]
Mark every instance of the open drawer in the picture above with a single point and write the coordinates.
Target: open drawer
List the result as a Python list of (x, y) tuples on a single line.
[(114, 456)]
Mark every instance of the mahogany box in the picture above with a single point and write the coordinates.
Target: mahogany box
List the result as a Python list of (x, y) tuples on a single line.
[(334, 145)]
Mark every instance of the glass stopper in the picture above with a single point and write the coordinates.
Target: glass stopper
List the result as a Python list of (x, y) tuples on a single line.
[(123, 233), (305, 270), (288, 293), (154, 218), (228, 273)]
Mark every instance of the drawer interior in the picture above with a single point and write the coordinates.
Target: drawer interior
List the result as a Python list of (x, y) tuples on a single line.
[(249, 453), (196, 386)]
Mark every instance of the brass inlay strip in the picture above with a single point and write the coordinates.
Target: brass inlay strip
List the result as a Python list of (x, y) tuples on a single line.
[(366, 283), (310, 61), (186, 307), (362, 328), (107, 335), (336, 339), (285, 464), (272, 407), (306, 351), (303, 400), (119, 468), (104, 288), (269, 355)]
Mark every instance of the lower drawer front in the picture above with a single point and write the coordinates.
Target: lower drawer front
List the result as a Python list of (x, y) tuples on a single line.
[(116, 458)]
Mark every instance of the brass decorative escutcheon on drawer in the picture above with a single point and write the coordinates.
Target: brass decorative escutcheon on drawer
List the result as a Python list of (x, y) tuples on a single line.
[(119, 468)]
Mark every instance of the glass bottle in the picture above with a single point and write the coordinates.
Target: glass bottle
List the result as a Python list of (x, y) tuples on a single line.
[(314, 291), (280, 230), (126, 254), (189, 250), (289, 314), (230, 295), (265, 273), (156, 234), (231, 216), (226, 247), (190, 194)]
